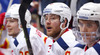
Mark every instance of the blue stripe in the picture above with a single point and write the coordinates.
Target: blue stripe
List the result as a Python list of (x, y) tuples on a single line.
[(83, 17), (80, 46), (28, 29), (62, 43), (97, 48), (16, 42)]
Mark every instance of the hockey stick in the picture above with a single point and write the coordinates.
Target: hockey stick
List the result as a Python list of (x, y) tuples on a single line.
[(24, 5)]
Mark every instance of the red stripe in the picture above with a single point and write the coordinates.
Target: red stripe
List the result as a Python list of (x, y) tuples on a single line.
[(1, 53), (66, 30)]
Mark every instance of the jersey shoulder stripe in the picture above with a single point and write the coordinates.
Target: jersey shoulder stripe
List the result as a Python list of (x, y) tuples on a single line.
[(80, 46), (97, 48), (62, 43)]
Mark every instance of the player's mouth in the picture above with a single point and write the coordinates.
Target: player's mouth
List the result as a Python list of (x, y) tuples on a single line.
[(9, 30), (49, 28)]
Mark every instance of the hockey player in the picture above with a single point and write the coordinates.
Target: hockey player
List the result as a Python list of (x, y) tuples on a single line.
[(4, 43), (87, 30), (16, 35), (56, 18)]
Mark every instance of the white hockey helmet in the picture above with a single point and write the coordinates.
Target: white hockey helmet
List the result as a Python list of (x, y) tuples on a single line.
[(57, 8), (89, 11), (13, 12)]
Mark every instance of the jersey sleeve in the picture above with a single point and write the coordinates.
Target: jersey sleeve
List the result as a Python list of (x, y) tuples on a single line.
[(39, 34), (37, 42)]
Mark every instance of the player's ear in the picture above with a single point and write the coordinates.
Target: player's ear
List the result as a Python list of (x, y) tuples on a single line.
[(21, 26), (64, 23)]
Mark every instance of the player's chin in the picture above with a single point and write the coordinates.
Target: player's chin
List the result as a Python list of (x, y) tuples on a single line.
[(10, 33), (49, 33)]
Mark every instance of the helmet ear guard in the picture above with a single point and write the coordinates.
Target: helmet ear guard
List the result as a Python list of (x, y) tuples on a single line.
[(66, 24)]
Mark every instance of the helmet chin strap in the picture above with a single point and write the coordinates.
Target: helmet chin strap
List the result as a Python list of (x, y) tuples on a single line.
[(62, 29)]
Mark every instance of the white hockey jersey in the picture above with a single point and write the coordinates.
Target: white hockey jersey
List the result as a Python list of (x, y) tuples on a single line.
[(37, 43), (67, 40), (80, 49)]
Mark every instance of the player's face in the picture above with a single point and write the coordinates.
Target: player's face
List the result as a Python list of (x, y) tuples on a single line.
[(12, 27), (87, 26), (52, 25)]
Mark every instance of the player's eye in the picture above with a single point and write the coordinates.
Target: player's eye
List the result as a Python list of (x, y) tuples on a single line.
[(80, 24), (89, 25)]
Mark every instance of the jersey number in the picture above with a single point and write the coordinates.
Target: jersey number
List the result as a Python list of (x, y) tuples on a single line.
[(22, 53), (67, 53)]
